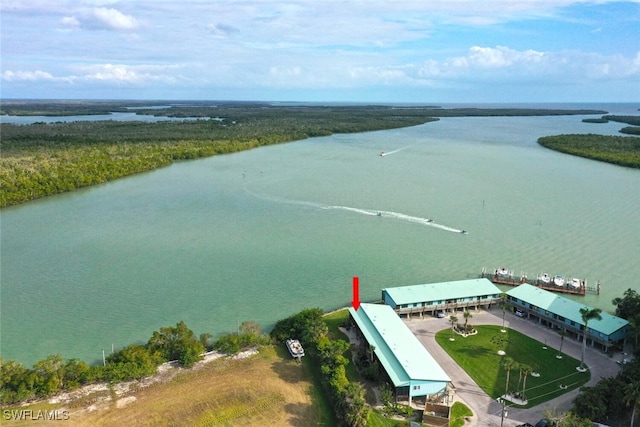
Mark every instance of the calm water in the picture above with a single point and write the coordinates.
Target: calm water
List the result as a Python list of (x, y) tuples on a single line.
[(264, 233)]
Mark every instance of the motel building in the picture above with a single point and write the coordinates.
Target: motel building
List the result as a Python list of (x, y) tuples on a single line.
[(445, 297), (404, 362), (557, 312)]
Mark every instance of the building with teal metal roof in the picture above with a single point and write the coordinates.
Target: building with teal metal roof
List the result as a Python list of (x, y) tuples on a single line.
[(406, 362), (445, 296), (563, 313)]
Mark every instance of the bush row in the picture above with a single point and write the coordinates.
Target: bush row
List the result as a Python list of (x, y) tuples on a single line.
[(53, 374)]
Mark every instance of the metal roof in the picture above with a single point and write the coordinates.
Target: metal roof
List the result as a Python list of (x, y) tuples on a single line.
[(442, 291), (566, 308), (404, 358)]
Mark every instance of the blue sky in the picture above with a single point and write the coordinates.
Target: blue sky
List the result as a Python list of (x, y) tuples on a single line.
[(427, 51)]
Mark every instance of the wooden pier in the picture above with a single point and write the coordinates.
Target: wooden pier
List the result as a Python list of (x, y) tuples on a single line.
[(510, 279)]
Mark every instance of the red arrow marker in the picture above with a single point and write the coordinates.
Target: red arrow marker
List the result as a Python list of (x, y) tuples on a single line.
[(356, 294)]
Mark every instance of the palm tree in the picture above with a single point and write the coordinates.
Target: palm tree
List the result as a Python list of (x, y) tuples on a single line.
[(587, 314), (562, 334), (519, 366), (453, 320), (508, 364), (526, 371), (634, 322), (503, 304), (632, 397), (372, 348), (467, 316)]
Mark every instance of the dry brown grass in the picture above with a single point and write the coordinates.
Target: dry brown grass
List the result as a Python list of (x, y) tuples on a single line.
[(267, 389)]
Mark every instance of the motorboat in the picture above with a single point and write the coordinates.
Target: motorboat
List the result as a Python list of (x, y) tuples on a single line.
[(545, 279), (502, 272), (295, 348), (575, 283), (558, 280)]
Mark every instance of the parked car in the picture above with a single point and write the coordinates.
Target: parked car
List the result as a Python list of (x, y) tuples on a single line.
[(439, 314), (520, 313)]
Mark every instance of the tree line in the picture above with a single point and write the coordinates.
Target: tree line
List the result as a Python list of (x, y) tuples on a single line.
[(174, 343), (42, 159), (45, 159), (615, 401), (619, 150)]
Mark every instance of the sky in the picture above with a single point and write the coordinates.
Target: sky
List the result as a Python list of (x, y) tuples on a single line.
[(394, 51)]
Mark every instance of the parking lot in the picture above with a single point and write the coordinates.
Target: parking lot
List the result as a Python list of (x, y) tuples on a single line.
[(487, 411)]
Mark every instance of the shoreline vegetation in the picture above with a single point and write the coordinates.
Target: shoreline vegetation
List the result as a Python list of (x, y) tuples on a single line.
[(40, 159), (618, 150), (331, 384)]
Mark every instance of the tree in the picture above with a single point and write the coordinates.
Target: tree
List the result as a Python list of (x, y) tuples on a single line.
[(526, 370), (587, 315), (634, 322), (503, 304), (628, 306), (632, 398), (467, 315), (453, 320), (205, 340), (177, 343), (562, 334), (508, 363), (49, 375), (132, 362)]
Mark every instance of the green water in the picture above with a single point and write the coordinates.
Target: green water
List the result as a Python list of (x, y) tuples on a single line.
[(262, 234)]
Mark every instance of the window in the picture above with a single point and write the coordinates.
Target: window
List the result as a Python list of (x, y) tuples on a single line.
[(416, 387)]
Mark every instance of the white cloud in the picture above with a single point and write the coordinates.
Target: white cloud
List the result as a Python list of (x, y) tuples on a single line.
[(114, 19), (31, 76), (70, 21), (102, 18)]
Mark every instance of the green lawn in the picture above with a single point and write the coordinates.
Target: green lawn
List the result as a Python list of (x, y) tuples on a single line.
[(458, 411), (478, 356)]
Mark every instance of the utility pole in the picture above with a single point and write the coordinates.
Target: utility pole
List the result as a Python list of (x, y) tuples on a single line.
[(504, 412), (104, 362)]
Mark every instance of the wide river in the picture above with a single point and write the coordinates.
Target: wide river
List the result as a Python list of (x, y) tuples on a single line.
[(265, 233)]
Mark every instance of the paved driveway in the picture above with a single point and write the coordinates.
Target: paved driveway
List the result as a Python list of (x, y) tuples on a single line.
[(487, 410)]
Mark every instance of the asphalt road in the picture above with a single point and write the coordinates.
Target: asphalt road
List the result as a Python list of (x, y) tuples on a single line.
[(487, 411)]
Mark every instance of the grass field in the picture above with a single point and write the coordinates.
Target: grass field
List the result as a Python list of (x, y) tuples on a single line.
[(267, 389), (477, 355)]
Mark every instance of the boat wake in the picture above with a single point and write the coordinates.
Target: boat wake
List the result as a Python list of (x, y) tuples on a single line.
[(388, 153), (368, 212), (398, 216)]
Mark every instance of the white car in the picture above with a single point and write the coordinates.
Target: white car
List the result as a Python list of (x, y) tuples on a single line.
[(519, 313)]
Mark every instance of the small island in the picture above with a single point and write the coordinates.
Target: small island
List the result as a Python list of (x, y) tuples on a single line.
[(618, 150)]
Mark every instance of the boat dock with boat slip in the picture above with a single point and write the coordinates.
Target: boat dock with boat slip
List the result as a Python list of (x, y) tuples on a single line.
[(558, 283)]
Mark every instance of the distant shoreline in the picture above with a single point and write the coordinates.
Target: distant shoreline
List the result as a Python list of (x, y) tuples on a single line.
[(41, 159)]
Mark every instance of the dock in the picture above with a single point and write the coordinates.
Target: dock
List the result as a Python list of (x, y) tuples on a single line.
[(502, 276)]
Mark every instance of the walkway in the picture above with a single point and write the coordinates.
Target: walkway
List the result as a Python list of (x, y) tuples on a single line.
[(486, 410)]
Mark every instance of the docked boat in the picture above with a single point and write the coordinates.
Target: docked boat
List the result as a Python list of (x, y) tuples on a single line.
[(544, 279), (502, 272), (295, 348), (575, 283), (558, 280)]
